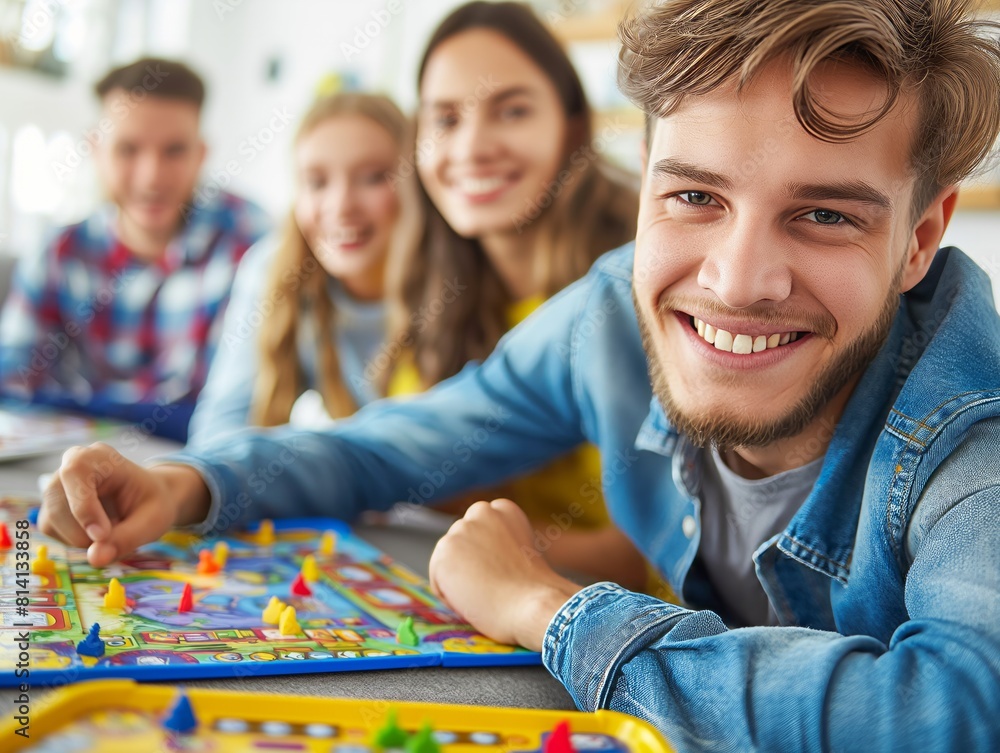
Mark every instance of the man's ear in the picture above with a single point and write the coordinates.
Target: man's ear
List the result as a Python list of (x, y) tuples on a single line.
[(927, 234)]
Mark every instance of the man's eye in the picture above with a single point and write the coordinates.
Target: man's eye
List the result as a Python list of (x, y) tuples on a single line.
[(698, 198), (826, 217)]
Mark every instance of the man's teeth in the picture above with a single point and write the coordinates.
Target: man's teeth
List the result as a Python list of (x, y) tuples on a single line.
[(742, 344), (480, 185)]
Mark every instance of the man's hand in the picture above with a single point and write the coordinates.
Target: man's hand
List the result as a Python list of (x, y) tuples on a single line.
[(487, 570), (100, 500)]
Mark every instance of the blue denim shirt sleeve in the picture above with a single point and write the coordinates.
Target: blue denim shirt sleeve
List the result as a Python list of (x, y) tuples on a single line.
[(933, 687), (224, 403), (512, 413)]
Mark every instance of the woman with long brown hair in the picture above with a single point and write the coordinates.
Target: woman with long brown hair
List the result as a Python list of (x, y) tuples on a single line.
[(518, 204), (307, 310)]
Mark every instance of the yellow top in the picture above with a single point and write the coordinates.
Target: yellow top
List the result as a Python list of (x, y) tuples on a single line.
[(566, 492)]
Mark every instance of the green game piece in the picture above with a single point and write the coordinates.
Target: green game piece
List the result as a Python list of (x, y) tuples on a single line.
[(406, 635), (423, 741), (391, 735)]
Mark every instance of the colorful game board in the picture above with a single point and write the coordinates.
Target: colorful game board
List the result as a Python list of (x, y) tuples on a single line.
[(113, 716), (28, 430), (359, 599)]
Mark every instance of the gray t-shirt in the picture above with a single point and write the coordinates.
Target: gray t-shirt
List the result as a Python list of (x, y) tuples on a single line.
[(737, 516)]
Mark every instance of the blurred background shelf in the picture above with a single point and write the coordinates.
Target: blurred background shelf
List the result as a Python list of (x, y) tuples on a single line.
[(979, 198)]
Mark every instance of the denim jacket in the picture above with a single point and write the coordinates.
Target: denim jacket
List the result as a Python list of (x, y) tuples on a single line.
[(886, 581)]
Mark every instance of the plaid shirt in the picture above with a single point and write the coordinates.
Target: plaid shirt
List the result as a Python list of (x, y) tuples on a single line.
[(88, 322)]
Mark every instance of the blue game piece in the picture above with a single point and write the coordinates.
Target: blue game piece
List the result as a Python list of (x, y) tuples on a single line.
[(33, 515), (180, 718), (92, 645)]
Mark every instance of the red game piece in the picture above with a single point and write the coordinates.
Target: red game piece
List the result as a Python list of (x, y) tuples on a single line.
[(5, 542), (558, 740), (206, 563), (299, 587), (186, 604)]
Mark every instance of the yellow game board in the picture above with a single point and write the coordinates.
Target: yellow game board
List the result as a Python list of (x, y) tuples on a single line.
[(121, 716)]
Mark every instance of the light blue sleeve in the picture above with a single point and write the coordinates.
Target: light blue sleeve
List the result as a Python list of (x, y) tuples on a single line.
[(224, 403), (512, 413), (935, 686)]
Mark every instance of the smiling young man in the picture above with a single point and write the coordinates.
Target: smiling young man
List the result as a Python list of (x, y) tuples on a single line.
[(117, 315), (811, 458)]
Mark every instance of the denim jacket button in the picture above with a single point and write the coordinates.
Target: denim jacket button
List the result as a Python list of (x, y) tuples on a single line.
[(688, 526)]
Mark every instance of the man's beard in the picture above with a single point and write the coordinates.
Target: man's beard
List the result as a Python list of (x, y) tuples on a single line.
[(705, 427)]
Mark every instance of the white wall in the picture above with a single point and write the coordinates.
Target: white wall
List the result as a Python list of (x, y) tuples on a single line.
[(978, 234), (311, 38), (376, 43)]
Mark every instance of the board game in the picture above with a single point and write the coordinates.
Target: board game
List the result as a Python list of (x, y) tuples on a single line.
[(295, 596), (116, 716)]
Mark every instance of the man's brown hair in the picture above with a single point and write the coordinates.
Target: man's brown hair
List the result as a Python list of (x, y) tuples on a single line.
[(156, 77), (934, 49)]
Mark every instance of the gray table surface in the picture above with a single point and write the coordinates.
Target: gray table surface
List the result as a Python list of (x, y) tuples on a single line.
[(525, 687)]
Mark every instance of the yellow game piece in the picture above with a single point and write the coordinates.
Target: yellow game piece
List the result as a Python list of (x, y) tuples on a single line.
[(115, 597), (42, 564), (328, 544), (265, 533), (221, 553), (287, 624), (309, 570), (273, 610)]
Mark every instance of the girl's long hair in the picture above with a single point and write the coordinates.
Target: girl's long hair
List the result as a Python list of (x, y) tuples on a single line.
[(592, 211), (296, 301)]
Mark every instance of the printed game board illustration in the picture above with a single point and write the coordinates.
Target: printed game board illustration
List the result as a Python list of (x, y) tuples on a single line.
[(116, 716), (290, 597), (29, 430)]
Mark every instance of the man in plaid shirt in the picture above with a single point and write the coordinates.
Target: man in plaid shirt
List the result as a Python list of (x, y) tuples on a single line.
[(120, 314)]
